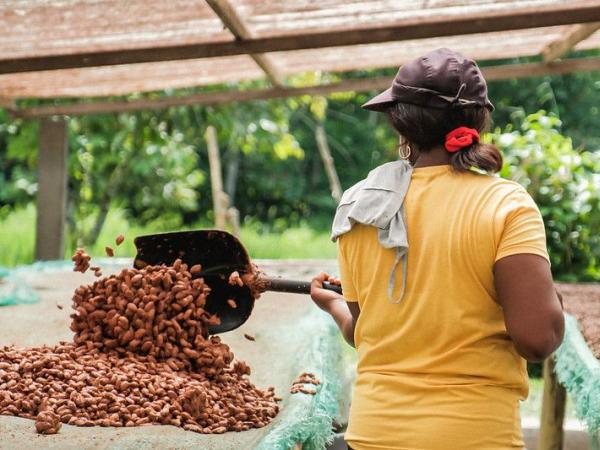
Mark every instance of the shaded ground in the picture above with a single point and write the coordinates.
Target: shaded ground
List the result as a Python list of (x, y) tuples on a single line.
[(583, 302), (272, 359)]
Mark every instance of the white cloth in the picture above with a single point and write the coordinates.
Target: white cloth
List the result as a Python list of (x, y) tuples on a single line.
[(378, 201)]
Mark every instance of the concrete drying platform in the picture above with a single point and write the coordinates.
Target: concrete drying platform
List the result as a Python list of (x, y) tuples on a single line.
[(274, 358)]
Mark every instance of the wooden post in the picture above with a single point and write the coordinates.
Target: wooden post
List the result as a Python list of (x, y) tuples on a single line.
[(553, 410), (233, 217), (52, 189), (216, 180), (334, 181)]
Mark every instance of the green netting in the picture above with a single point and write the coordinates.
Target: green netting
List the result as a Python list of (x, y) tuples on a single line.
[(16, 284), (14, 289), (578, 371), (308, 419)]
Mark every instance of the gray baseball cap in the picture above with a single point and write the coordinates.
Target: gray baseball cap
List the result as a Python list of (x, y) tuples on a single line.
[(438, 79)]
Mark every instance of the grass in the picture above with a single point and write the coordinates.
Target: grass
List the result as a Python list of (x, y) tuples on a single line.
[(301, 242), (17, 239)]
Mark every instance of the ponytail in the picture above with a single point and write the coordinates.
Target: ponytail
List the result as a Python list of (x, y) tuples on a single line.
[(484, 157)]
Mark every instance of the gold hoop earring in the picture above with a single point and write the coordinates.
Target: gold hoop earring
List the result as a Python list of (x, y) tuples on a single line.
[(404, 151)]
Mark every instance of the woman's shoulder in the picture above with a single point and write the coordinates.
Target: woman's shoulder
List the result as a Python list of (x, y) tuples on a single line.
[(495, 193)]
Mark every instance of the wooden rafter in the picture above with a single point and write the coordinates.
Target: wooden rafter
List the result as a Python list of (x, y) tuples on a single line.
[(215, 98), (232, 20), (417, 28), (570, 38)]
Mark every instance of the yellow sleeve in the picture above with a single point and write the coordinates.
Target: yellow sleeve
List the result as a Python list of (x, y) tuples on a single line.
[(348, 288), (520, 227)]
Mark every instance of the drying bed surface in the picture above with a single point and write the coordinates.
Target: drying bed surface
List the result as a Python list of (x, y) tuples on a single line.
[(582, 300), (271, 357)]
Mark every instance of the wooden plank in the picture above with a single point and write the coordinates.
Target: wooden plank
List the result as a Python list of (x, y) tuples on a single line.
[(366, 84), (268, 68), (216, 180), (553, 410), (417, 28), (540, 69), (52, 189), (570, 38), (211, 98), (232, 20)]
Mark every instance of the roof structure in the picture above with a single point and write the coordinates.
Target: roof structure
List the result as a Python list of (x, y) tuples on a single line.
[(97, 48)]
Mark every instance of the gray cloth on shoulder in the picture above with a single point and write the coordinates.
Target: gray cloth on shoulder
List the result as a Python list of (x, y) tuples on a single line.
[(378, 201)]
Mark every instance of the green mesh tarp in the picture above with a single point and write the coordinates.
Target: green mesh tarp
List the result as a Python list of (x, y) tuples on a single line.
[(578, 371), (17, 285), (14, 289), (308, 419)]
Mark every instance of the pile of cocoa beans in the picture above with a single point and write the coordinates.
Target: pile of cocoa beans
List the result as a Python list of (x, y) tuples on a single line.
[(156, 311), (141, 354), (86, 387)]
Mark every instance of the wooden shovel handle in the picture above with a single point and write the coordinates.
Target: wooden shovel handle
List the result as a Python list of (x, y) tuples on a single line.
[(296, 287)]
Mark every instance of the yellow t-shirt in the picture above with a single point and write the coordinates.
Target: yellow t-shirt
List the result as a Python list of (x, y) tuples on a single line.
[(438, 370)]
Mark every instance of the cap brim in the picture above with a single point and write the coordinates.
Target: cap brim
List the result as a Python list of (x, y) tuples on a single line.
[(380, 102)]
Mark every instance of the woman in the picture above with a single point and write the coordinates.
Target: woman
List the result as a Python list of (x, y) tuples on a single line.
[(441, 343)]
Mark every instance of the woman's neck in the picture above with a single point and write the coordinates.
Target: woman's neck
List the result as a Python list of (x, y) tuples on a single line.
[(437, 156)]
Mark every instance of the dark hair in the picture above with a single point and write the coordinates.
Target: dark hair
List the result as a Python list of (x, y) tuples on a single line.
[(425, 128)]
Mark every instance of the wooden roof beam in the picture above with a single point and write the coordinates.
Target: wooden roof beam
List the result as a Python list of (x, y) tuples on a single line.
[(215, 98), (573, 35), (565, 13), (232, 20)]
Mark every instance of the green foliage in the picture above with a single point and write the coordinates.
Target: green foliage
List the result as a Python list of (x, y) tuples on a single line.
[(135, 161), (565, 184), (17, 178), (575, 98)]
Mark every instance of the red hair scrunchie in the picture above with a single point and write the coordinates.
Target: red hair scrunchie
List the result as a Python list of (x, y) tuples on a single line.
[(460, 138)]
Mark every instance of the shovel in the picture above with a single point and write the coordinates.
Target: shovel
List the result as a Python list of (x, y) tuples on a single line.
[(220, 253)]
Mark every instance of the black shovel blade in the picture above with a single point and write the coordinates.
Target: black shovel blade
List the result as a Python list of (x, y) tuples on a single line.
[(219, 253)]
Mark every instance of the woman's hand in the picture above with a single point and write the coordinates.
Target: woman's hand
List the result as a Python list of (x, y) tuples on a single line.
[(344, 314), (324, 298)]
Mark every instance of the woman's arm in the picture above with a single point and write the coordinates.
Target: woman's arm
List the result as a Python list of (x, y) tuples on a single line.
[(344, 313), (532, 308)]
